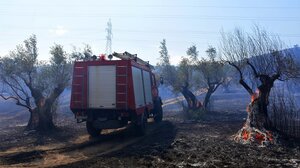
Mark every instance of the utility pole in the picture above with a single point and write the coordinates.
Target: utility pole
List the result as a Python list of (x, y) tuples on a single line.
[(108, 38)]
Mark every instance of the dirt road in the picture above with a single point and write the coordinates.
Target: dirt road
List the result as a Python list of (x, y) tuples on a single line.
[(59, 149)]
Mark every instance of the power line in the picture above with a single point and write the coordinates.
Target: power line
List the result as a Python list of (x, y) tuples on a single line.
[(118, 40), (126, 39), (170, 31), (203, 17), (153, 6)]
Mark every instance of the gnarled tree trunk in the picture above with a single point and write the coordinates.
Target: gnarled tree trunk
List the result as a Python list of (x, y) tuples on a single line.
[(258, 126), (190, 98), (45, 117), (211, 89), (33, 120), (263, 99), (257, 116), (41, 117), (207, 97)]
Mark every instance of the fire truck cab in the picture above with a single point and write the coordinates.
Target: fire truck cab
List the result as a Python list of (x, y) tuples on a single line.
[(109, 94)]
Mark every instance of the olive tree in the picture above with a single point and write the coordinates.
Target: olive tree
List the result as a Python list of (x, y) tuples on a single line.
[(33, 84), (185, 81), (168, 71), (179, 78), (258, 56), (212, 73)]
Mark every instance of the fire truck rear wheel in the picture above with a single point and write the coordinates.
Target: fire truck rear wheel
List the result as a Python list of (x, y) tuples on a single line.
[(141, 124), (158, 112), (94, 132)]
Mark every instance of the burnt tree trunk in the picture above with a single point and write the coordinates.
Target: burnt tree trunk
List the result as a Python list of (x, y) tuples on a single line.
[(256, 117), (207, 97), (263, 98), (33, 120), (41, 118), (190, 98), (258, 108), (45, 116), (211, 89), (258, 125)]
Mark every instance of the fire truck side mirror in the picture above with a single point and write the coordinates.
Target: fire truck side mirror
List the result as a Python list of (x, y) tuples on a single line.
[(110, 56), (161, 80)]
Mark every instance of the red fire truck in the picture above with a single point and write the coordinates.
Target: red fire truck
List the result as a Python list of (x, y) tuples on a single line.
[(109, 94)]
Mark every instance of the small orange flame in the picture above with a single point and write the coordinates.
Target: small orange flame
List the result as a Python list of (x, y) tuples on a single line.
[(245, 135), (269, 136), (254, 96), (260, 137)]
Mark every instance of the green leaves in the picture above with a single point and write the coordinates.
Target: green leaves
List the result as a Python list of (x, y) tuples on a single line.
[(193, 53), (58, 55), (24, 74), (164, 55)]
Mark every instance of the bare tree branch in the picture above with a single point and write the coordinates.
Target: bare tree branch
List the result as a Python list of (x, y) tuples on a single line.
[(252, 67), (244, 84), (275, 77), (14, 89), (17, 101), (20, 87), (217, 85), (237, 68)]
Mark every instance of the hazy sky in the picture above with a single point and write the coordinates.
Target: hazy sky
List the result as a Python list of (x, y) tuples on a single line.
[(138, 26)]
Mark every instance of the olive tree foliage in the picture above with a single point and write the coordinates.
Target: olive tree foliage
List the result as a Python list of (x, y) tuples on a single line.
[(33, 84), (164, 54), (186, 80), (184, 73), (212, 73), (205, 72), (258, 56), (186, 77), (168, 71), (193, 54)]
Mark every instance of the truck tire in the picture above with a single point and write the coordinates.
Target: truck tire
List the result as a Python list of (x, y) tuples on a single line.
[(141, 124), (94, 132), (158, 111)]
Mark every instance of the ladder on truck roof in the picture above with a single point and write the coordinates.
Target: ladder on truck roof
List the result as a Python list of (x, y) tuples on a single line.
[(127, 56)]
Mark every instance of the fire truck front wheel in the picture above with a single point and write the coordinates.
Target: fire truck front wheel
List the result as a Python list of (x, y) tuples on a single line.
[(94, 132)]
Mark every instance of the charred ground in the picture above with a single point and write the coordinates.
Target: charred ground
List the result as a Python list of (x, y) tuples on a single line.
[(172, 143)]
